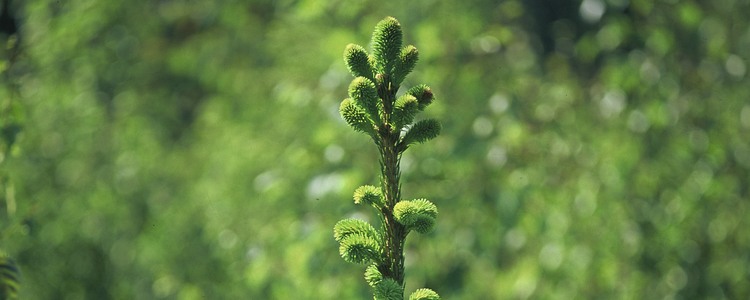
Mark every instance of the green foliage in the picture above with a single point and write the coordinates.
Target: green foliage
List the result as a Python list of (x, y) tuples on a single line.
[(418, 215), (9, 278), (358, 61), (388, 289), (423, 94), (370, 195), (424, 294), (359, 249), (404, 111), (386, 44), (407, 59), (582, 155), (356, 117), (373, 275), (347, 227), (365, 95), (421, 132), (389, 116)]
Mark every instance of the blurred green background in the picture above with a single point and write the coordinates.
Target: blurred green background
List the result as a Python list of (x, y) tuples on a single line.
[(177, 149)]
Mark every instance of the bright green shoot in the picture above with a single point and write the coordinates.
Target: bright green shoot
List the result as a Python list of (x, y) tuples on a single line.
[(373, 108)]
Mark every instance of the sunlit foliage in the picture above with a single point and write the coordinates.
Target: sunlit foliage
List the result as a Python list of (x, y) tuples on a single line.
[(178, 149)]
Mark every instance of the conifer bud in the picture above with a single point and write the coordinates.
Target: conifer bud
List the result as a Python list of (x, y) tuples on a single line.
[(359, 249), (424, 294), (418, 215), (347, 227), (405, 64), (405, 110), (421, 132), (356, 117), (358, 61), (373, 275), (423, 93), (368, 194), (359, 241), (386, 43), (388, 289), (365, 95)]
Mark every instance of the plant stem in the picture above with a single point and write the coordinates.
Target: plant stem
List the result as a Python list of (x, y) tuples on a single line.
[(373, 109), (395, 233)]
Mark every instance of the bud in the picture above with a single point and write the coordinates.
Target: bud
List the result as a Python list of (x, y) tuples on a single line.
[(359, 249), (386, 43), (388, 289), (418, 215), (421, 132), (365, 95), (405, 110), (405, 64), (373, 276), (355, 117), (368, 194), (357, 61), (424, 294), (423, 93)]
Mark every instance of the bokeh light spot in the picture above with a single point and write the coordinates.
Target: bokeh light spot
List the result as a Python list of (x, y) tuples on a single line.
[(592, 10)]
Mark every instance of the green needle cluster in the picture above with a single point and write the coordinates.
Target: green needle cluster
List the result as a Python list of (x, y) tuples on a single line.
[(373, 108)]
